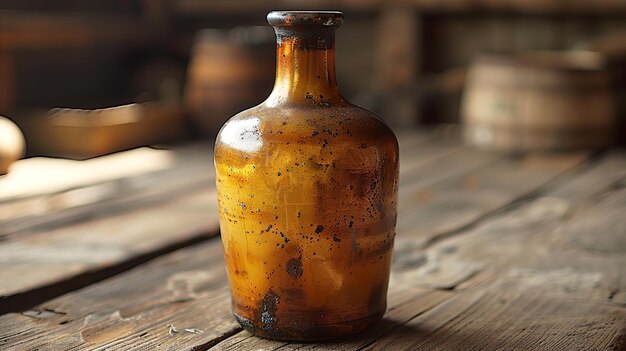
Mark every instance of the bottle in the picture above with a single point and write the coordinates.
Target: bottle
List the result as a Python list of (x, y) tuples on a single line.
[(307, 191)]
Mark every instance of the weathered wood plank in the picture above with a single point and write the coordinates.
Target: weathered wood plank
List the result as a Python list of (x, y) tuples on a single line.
[(563, 251), (435, 211), (530, 239), (79, 244), (568, 230), (598, 227), (549, 272), (187, 289), (43, 265), (456, 162), (559, 283), (409, 139), (608, 172), (411, 161), (423, 147), (497, 320), (555, 293), (67, 191), (40, 175)]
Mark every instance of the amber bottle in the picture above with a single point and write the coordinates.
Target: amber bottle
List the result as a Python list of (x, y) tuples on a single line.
[(307, 189)]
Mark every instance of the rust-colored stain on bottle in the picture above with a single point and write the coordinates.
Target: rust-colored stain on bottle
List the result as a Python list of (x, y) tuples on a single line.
[(307, 191)]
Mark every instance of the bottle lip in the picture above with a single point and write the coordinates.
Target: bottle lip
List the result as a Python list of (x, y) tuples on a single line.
[(305, 18)]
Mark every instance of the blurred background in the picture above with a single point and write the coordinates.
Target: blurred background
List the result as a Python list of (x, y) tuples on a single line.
[(86, 78)]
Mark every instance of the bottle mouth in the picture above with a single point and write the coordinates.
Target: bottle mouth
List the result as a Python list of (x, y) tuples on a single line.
[(296, 19)]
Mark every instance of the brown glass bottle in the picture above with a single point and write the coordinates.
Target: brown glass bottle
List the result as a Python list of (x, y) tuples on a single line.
[(307, 189)]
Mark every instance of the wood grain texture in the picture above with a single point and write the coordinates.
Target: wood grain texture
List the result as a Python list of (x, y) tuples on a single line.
[(534, 291), (412, 160), (512, 310), (512, 321), (606, 173), (45, 193), (42, 194), (434, 211), (572, 229), (456, 161), (537, 238), (551, 274), (35, 265), (100, 225), (187, 289), (532, 257)]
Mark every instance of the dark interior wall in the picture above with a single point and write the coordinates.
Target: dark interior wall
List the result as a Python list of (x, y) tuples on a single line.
[(98, 74), (452, 40), (100, 6), (82, 77), (356, 46), (356, 43)]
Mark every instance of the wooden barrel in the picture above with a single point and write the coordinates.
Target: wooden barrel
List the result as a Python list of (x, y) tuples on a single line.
[(229, 72), (539, 101)]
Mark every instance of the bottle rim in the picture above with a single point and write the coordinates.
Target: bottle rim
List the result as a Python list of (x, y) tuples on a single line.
[(305, 18)]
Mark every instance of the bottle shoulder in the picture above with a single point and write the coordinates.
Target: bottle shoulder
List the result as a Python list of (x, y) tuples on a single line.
[(343, 123)]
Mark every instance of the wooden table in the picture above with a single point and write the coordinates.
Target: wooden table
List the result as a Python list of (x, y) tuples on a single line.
[(494, 251)]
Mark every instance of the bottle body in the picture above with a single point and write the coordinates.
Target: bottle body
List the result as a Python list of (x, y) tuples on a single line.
[(307, 194)]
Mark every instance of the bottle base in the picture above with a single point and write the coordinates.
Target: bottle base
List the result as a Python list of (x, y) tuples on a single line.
[(299, 332)]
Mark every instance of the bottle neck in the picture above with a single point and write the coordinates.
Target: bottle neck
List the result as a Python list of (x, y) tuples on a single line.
[(305, 68)]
